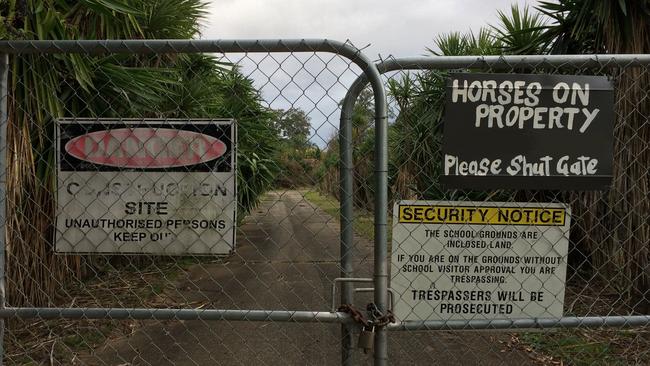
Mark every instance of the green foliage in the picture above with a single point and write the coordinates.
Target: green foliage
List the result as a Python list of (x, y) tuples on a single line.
[(597, 26), (576, 347), (298, 155), (415, 136), (362, 154), (329, 160), (46, 87), (258, 174), (520, 31), (485, 42), (313, 152), (257, 143), (293, 126), (167, 19), (614, 221)]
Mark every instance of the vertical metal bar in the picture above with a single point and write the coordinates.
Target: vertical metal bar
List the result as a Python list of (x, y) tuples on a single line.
[(347, 209), (381, 209), (347, 230), (381, 195), (4, 100)]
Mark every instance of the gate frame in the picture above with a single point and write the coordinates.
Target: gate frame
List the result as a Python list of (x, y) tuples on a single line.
[(347, 186), (225, 46), (371, 73)]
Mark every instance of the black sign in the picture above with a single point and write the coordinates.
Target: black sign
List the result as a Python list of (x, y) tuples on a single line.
[(528, 132)]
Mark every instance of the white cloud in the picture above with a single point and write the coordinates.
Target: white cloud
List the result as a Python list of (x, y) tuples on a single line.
[(390, 27), (402, 28)]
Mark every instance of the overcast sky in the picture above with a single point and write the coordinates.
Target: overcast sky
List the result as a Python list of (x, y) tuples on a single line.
[(389, 27), (401, 28)]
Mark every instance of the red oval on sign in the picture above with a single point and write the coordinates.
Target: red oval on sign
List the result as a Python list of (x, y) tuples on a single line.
[(145, 147)]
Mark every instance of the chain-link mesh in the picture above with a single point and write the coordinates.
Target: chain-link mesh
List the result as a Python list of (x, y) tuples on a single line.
[(604, 249), (157, 160), (282, 107)]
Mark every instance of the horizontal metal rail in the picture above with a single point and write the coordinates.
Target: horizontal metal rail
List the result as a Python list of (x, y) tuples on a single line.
[(185, 46), (300, 316), (565, 322), (525, 61), (177, 314), (302, 45)]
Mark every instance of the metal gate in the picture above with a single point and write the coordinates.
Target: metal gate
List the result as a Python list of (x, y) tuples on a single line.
[(288, 266), (286, 257), (595, 301)]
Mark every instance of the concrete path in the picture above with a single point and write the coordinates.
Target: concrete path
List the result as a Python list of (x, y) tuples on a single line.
[(286, 258)]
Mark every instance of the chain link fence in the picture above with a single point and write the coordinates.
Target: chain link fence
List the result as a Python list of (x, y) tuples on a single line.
[(154, 187), (602, 256), (125, 156)]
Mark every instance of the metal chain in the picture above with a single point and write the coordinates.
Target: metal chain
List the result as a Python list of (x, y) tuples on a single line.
[(355, 313), (379, 319)]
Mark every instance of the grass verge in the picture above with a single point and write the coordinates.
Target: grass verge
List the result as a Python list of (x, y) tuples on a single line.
[(583, 347), (363, 220), (64, 341)]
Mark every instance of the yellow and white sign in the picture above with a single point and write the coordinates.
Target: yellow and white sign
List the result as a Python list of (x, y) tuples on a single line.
[(479, 260)]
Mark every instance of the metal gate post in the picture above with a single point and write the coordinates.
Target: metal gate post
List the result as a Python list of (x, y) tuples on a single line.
[(4, 100), (381, 218), (381, 206), (347, 229), (381, 201), (347, 209)]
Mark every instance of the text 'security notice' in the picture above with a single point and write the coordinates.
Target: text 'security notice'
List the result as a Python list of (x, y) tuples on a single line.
[(479, 260)]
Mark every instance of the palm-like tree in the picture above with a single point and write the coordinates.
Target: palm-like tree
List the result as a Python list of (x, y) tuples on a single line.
[(616, 223), (485, 42), (520, 31), (415, 137), (43, 88)]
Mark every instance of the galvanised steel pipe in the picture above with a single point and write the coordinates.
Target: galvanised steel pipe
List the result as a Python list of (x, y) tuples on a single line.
[(521, 61), (343, 281), (565, 322), (186, 46), (310, 45), (347, 230), (177, 314)]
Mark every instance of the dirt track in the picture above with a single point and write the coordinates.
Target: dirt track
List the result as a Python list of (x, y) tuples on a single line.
[(286, 258)]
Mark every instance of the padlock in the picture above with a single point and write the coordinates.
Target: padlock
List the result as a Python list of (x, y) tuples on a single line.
[(366, 338)]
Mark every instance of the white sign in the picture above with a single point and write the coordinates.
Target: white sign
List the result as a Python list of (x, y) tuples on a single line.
[(479, 260), (146, 186)]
